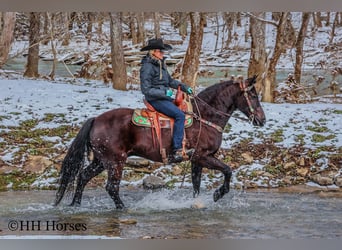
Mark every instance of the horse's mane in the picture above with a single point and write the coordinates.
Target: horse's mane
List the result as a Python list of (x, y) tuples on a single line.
[(212, 91)]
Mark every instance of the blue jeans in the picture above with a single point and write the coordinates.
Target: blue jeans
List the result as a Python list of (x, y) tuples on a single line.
[(170, 109)]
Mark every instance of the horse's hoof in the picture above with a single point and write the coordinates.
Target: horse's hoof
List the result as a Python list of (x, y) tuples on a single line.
[(75, 204), (120, 206), (217, 195)]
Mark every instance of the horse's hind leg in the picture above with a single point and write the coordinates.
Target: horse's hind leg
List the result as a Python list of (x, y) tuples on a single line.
[(85, 176), (113, 184), (196, 174)]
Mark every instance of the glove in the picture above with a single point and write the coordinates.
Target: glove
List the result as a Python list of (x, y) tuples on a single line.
[(189, 91), (169, 92)]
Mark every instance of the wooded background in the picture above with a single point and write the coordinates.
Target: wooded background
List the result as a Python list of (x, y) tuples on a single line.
[(44, 28)]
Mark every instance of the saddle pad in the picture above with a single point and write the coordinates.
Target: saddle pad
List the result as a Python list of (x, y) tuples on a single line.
[(143, 117)]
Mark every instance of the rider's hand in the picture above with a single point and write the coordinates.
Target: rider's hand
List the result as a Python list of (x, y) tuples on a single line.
[(189, 91), (169, 92)]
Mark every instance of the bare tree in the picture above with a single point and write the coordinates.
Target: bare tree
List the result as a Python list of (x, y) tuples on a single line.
[(6, 36), (141, 29), (133, 27), (299, 46), (191, 60), (183, 24), (118, 61), (51, 19), (317, 19), (156, 24), (229, 18), (179, 21), (33, 52), (257, 61), (279, 48), (332, 34), (90, 21), (66, 33)]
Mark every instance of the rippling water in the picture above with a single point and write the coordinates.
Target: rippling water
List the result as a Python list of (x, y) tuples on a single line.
[(173, 214)]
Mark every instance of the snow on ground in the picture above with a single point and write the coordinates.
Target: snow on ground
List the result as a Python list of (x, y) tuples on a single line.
[(22, 100), (32, 99)]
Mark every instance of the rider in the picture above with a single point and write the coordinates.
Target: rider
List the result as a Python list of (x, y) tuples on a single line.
[(155, 85)]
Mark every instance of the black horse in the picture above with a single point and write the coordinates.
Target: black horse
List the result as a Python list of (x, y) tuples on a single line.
[(112, 137)]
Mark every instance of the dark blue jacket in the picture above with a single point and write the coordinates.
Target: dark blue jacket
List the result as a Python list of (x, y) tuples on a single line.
[(155, 79)]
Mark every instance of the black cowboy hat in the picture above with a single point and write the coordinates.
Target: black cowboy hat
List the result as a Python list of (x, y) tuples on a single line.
[(156, 43)]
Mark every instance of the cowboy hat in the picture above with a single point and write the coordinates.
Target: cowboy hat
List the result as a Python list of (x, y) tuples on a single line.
[(156, 43)]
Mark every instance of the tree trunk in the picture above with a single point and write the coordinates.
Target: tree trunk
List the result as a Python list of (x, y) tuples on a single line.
[(118, 61), (332, 34), (279, 48), (90, 20), (133, 27), (33, 52), (66, 36), (157, 25), (46, 34), (191, 60), (100, 21), (299, 46), (52, 20), (141, 29), (183, 25), (317, 19), (327, 22), (229, 18), (257, 61), (6, 36)]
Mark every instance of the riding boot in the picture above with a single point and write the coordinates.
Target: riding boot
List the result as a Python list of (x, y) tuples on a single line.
[(177, 155)]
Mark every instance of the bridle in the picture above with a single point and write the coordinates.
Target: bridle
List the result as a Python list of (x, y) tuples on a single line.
[(245, 88)]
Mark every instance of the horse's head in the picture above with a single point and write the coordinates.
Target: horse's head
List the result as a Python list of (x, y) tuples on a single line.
[(248, 102)]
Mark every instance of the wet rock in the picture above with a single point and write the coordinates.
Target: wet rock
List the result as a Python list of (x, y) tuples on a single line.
[(238, 185), (138, 162), (287, 180), (249, 184), (36, 164), (322, 180), (153, 182), (129, 222), (338, 181), (198, 204)]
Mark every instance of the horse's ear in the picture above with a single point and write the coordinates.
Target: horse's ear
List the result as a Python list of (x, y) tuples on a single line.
[(252, 80)]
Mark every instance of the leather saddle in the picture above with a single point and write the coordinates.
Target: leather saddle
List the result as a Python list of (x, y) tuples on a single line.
[(149, 117)]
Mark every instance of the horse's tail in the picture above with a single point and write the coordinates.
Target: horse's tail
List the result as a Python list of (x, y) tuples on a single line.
[(74, 159)]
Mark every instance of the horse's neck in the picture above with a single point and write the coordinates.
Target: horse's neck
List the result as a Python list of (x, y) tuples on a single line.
[(219, 106)]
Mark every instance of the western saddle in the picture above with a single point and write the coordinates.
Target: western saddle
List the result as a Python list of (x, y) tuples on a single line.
[(149, 117)]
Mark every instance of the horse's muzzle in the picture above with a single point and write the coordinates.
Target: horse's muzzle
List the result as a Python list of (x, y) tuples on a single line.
[(259, 118)]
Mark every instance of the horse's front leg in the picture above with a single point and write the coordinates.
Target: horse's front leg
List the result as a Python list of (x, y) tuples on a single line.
[(113, 184), (196, 174), (211, 162)]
